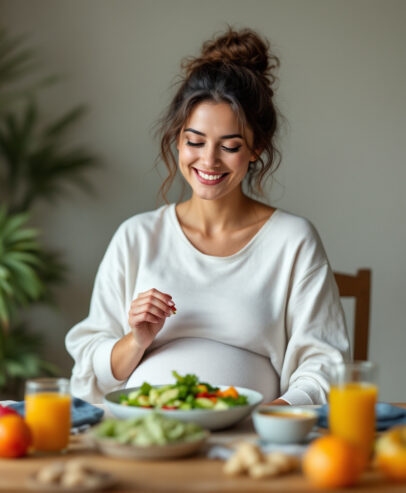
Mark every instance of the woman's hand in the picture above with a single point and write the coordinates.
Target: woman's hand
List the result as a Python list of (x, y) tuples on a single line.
[(146, 318), (147, 315), (277, 402)]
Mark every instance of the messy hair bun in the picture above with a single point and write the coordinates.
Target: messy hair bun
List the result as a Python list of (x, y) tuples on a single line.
[(244, 48), (238, 68)]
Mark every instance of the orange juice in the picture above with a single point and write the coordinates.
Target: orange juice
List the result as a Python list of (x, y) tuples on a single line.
[(48, 415), (352, 413)]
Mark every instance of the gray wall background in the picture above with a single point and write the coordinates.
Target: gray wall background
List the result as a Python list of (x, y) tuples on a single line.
[(342, 90)]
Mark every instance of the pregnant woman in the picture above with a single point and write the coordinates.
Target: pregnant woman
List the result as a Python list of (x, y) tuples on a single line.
[(255, 298)]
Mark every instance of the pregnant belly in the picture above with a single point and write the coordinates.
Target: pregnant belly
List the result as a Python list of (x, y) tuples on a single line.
[(213, 362)]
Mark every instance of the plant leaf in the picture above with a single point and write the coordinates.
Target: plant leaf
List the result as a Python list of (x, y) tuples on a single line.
[(6, 287), (15, 59), (3, 215), (25, 276), (25, 258), (26, 245), (49, 368), (13, 223), (4, 311), (16, 369), (57, 128), (22, 235), (4, 273), (3, 378)]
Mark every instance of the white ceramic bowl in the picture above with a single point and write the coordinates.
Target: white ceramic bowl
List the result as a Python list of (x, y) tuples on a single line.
[(112, 448), (284, 424), (207, 418)]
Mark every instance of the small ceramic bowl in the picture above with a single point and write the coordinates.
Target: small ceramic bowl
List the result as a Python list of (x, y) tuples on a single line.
[(283, 424)]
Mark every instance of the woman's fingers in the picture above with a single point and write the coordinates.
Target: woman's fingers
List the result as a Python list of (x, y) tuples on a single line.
[(154, 298), (152, 306), (144, 317), (160, 311), (154, 294)]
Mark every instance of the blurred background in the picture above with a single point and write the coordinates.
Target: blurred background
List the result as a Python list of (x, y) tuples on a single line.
[(342, 91)]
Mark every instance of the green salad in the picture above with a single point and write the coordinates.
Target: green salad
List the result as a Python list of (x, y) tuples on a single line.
[(186, 393), (150, 429)]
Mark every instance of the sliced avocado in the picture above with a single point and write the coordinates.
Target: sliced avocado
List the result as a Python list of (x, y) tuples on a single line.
[(153, 396), (220, 405), (204, 403), (133, 395), (163, 389), (167, 396), (185, 406), (143, 400)]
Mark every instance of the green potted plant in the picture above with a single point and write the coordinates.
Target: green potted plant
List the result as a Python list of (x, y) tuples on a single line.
[(35, 164)]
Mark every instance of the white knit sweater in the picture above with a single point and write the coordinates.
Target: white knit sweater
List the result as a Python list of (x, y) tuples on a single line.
[(268, 317)]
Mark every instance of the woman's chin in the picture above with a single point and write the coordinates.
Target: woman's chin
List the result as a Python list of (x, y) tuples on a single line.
[(212, 192)]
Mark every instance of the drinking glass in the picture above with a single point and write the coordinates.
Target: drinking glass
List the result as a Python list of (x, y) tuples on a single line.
[(353, 395), (48, 413)]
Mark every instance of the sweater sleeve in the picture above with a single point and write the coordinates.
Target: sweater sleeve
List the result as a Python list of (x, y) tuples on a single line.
[(91, 341), (317, 337)]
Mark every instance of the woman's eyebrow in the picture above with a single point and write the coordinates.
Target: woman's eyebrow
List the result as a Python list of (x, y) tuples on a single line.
[(231, 136)]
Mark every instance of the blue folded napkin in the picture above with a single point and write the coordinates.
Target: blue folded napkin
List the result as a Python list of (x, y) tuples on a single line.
[(386, 416), (83, 413)]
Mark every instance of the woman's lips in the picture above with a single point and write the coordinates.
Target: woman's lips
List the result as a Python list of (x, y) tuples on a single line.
[(209, 178)]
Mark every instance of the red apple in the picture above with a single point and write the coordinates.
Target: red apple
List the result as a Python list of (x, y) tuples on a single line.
[(4, 410)]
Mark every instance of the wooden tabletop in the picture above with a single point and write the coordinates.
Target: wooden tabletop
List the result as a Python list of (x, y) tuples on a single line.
[(194, 474)]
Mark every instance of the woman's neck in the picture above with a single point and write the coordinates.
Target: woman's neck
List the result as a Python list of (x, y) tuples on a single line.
[(215, 216), (221, 228)]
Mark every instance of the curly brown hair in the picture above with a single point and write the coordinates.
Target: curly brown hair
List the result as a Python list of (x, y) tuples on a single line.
[(236, 67)]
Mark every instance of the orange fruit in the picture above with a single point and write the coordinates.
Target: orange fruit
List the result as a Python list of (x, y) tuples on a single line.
[(391, 453), (15, 436), (332, 462)]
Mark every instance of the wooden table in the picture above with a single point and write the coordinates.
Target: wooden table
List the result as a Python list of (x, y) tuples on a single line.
[(194, 474)]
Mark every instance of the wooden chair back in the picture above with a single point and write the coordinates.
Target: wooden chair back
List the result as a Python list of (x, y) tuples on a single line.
[(358, 287)]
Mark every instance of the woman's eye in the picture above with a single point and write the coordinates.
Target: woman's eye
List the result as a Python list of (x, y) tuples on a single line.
[(194, 144), (201, 144), (231, 149)]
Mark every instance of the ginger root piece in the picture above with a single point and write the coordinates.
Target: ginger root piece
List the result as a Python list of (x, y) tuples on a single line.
[(51, 473), (77, 466), (75, 478), (249, 453), (249, 458), (234, 466), (92, 481), (263, 470), (283, 462), (70, 474)]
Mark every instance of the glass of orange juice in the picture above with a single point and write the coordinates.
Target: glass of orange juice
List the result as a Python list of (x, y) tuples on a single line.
[(48, 413), (353, 395)]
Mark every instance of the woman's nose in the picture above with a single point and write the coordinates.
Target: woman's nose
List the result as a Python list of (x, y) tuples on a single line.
[(210, 156)]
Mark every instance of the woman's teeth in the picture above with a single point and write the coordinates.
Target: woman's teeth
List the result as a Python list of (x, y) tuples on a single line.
[(209, 177)]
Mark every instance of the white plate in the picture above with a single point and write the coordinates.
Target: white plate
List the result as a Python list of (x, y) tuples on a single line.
[(208, 418), (108, 446)]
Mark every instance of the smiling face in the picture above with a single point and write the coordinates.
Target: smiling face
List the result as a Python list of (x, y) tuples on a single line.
[(213, 153)]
